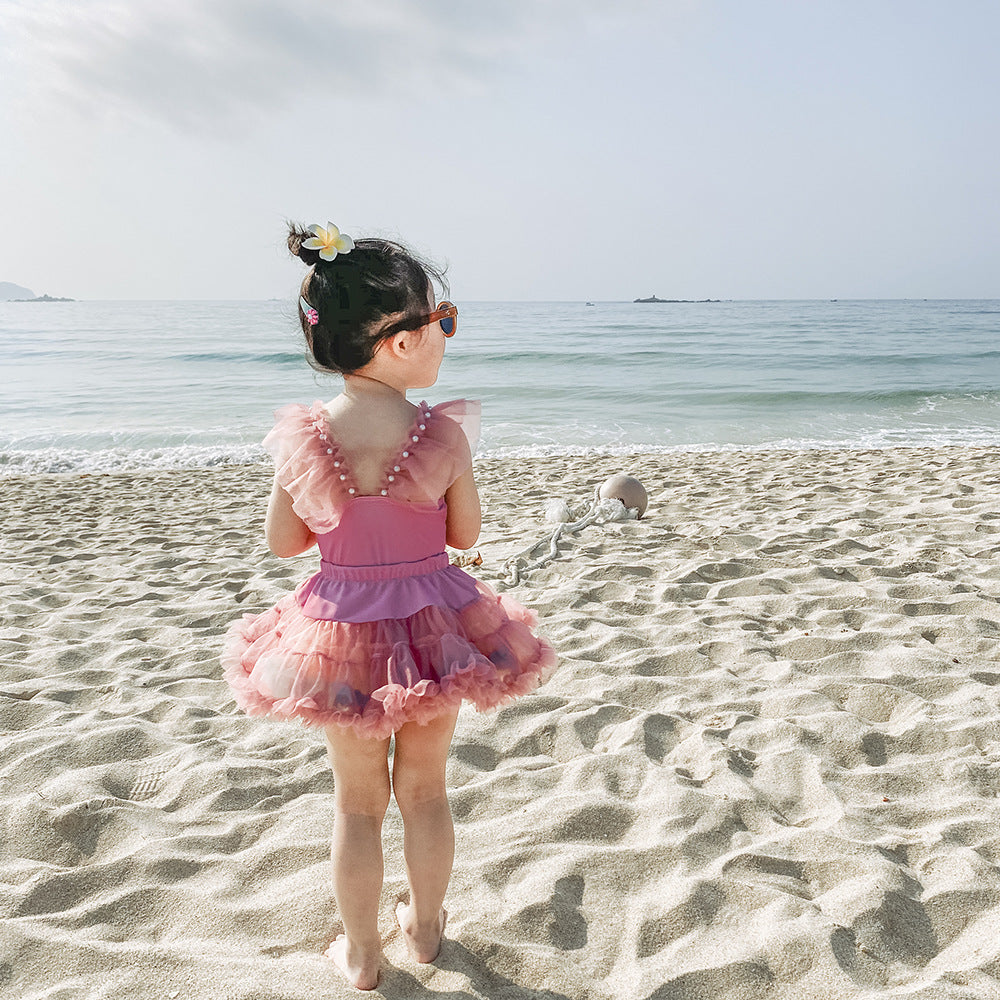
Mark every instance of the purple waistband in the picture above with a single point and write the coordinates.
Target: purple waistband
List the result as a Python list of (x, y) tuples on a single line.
[(388, 571)]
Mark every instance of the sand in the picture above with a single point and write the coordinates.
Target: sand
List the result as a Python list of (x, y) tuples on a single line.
[(767, 767)]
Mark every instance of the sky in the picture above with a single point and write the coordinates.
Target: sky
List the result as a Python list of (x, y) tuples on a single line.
[(539, 149)]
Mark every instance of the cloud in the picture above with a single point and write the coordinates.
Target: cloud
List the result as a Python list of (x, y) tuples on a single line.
[(199, 64)]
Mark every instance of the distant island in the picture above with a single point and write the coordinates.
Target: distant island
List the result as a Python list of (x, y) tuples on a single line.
[(9, 292), (42, 298), (653, 298)]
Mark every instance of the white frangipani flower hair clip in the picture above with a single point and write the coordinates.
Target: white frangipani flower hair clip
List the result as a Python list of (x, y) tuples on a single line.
[(329, 241)]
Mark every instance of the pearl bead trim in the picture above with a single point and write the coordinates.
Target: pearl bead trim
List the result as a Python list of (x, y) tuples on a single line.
[(329, 446)]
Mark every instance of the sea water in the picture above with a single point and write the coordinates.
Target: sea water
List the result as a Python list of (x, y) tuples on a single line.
[(102, 386)]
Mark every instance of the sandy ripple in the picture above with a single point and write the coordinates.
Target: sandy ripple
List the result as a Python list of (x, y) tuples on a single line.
[(768, 766)]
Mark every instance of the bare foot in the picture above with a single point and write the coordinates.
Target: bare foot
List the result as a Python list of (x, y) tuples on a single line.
[(361, 971), (424, 943)]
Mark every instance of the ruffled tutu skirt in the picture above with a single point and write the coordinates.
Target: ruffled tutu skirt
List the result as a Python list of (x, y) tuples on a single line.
[(377, 676)]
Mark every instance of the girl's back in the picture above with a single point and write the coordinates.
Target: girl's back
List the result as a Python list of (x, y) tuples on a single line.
[(370, 431)]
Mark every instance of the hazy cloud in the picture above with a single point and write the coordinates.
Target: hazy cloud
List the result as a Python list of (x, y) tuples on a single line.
[(201, 63)]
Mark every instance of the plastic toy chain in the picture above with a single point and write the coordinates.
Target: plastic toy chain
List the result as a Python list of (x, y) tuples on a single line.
[(601, 511)]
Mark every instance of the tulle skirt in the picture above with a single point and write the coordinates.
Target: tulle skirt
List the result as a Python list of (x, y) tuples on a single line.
[(377, 676)]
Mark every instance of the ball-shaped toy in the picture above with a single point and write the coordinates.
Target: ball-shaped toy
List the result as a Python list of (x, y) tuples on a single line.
[(627, 489)]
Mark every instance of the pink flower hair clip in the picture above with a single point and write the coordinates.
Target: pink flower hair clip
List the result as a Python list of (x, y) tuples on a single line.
[(312, 317)]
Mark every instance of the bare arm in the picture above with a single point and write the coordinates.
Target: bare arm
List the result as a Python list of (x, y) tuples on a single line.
[(285, 532), (464, 512)]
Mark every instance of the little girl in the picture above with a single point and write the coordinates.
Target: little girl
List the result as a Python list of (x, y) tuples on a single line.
[(387, 638)]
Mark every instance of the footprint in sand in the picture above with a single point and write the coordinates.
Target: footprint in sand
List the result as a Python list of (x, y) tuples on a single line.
[(148, 783), (558, 920)]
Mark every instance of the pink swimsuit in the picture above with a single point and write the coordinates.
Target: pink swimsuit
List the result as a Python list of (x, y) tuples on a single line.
[(386, 632)]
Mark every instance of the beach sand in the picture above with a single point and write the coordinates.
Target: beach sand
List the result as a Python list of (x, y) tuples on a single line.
[(768, 765)]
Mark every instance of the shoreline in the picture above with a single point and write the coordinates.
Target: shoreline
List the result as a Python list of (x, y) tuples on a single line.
[(641, 453), (768, 765)]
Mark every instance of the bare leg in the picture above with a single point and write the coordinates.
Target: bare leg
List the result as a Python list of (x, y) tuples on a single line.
[(418, 780), (361, 796)]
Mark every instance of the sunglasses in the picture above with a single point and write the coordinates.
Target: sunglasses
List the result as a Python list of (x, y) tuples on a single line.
[(447, 314)]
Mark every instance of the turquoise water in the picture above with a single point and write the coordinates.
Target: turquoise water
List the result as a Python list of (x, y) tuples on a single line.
[(121, 385)]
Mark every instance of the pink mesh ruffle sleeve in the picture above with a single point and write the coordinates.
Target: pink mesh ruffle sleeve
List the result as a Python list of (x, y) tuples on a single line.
[(438, 451), (308, 465)]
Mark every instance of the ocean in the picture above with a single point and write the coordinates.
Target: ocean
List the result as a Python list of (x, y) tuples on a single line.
[(109, 386)]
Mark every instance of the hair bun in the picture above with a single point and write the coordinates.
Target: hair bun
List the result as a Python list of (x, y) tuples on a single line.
[(297, 235)]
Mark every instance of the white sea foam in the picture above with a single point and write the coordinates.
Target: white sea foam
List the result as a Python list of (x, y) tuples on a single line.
[(49, 461), (78, 461)]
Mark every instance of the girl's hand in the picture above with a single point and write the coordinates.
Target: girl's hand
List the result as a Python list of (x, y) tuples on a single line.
[(285, 532), (464, 512)]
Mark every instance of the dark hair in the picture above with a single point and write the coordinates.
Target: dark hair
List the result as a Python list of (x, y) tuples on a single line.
[(354, 293)]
